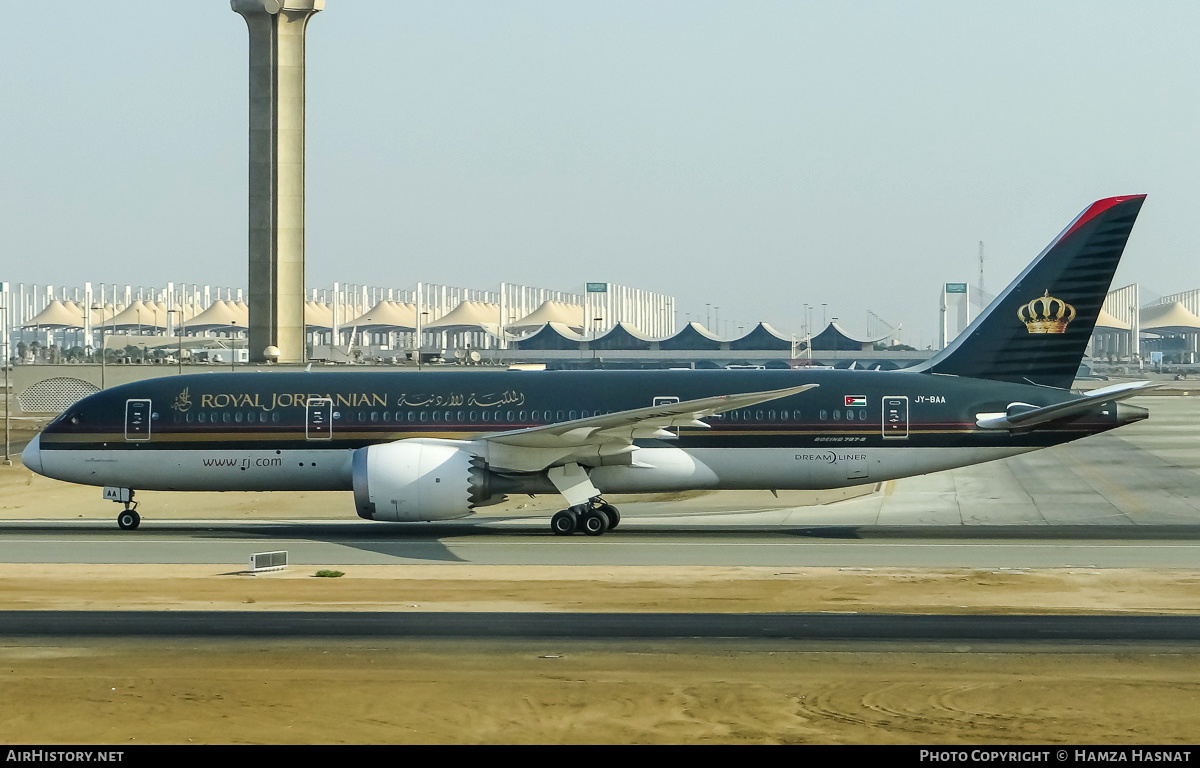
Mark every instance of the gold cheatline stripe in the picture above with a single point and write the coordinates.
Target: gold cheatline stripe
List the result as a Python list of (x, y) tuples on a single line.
[(171, 437)]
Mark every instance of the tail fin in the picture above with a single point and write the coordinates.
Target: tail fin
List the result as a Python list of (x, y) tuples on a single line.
[(1037, 329)]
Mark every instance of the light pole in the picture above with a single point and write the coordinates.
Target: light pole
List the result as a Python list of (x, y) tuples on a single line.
[(420, 333), (4, 312), (179, 331), (103, 341), (233, 346)]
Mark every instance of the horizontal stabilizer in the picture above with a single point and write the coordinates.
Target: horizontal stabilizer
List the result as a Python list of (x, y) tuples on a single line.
[(1023, 415)]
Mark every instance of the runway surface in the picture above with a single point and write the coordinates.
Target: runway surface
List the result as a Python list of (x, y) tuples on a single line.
[(367, 544)]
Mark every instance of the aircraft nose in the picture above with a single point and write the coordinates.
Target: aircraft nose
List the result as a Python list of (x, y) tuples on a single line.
[(31, 457)]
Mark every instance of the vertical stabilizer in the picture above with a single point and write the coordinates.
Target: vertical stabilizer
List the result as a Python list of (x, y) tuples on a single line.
[(1036, 331)]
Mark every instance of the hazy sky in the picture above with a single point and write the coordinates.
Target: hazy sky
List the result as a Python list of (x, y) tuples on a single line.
[(752, 155)]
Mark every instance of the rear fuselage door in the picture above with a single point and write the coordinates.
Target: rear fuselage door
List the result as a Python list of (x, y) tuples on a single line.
[(318, 424), (895, 417), (137, 420)]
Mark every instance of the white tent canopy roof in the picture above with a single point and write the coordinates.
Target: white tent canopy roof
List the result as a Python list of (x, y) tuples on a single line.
[(1169, 318), (569, 315), (318, 316), (1105, 321), (103, 315), (386, 316), (468, 316), (147, 314), (221, 314), (57, 315)]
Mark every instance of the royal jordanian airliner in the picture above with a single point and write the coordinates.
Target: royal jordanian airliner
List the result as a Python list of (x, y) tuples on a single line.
[(420, 446)]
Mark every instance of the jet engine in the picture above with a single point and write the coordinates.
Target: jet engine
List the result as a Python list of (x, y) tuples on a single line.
[(418, 480)]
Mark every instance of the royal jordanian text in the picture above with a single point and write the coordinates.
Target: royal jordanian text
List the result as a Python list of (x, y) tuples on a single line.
[(271, 401)]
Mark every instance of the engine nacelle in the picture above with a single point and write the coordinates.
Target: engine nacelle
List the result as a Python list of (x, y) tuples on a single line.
[(418, 480)]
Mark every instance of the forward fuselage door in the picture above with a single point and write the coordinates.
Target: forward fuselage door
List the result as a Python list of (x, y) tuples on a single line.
[(318, 421), (895, 417), (137, 420)]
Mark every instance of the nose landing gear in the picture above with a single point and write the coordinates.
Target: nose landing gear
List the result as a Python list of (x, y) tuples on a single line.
[(129, 518)]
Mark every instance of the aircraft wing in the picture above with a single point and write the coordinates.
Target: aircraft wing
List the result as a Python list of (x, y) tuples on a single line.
[(1022, 415), (608, 434)]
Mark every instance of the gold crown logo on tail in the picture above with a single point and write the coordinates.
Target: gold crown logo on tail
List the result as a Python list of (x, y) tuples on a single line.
[(1046, 314)]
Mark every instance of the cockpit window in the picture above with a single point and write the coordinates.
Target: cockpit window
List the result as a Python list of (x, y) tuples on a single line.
[(70, 416)]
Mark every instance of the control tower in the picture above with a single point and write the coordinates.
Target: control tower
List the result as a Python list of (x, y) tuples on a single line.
[(277, 175)]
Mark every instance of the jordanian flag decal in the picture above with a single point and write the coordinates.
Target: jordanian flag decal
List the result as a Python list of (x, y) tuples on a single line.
[(856, 400)]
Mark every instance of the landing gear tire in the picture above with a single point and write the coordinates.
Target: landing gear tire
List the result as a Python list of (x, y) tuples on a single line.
[(564, 522), (594, 522), (614, 517), (128, 520)]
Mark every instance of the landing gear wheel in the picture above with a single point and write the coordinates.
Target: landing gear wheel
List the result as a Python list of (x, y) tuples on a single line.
[(128, 520), (564, 522), (614, 517), (594, 522)]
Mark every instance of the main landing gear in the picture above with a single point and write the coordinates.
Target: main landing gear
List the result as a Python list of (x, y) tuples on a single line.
[(594, 518)]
